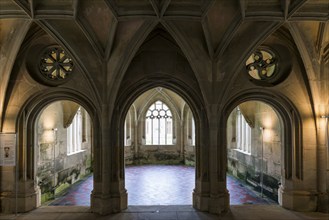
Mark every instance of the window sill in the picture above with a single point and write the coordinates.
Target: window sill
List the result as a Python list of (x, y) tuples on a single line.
[(159, 144), (70, 154), (243, 152)]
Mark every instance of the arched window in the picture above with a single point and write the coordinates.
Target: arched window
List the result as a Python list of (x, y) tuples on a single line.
[(243, 132), (74, 134), (127, 130), (193, 131), (158, 125)]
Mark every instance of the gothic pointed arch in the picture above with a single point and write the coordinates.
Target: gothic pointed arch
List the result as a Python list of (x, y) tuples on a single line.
[(128, 94), (292, 125), (26, 122)]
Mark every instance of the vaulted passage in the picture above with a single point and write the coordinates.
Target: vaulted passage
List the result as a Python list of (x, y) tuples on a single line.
[(159, 129), (159, 148), (230, 94), (255, 143), (63, 149)]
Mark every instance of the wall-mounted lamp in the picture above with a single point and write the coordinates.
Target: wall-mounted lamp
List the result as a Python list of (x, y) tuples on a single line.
[(49, 135), (55, 135), (267, 134)]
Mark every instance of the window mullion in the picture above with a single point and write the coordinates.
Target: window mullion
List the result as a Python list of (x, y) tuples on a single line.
[(165, 136), (152, 131), (160, 112), (159, 130)]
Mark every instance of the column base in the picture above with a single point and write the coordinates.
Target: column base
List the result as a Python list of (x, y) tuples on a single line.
[(215, 204), (323, 202), (27, 199), (108, 204), (301, 201)]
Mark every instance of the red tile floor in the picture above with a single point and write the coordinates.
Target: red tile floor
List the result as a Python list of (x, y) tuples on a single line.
[(159, 185)]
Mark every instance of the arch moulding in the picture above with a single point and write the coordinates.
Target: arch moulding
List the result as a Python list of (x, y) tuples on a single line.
[(202, 198), (292, 149), (28, 190)]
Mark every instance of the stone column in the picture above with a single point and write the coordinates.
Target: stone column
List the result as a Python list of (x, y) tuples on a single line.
[(323, 160), (136, 138), (299, 193), (210, 193), (19, 190), (219, 197), (109, 194), (182, 138)]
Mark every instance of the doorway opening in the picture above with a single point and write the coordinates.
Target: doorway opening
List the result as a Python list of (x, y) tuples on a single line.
[(64, 154), (159, 149), (254, 153)]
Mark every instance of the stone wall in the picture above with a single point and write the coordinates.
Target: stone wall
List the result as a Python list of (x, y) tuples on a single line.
[(56, 169), (248, 166), (154, 154)]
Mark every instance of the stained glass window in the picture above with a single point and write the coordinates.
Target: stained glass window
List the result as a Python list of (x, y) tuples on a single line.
[(261, 65), (55, 64)]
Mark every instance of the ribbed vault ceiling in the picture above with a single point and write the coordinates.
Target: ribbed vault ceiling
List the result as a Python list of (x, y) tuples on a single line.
[(110, 32), (212, 24)]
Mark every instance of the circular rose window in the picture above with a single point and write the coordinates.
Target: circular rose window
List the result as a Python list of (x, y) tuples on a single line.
[(55, 65), (268, 68), (262, 65)]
